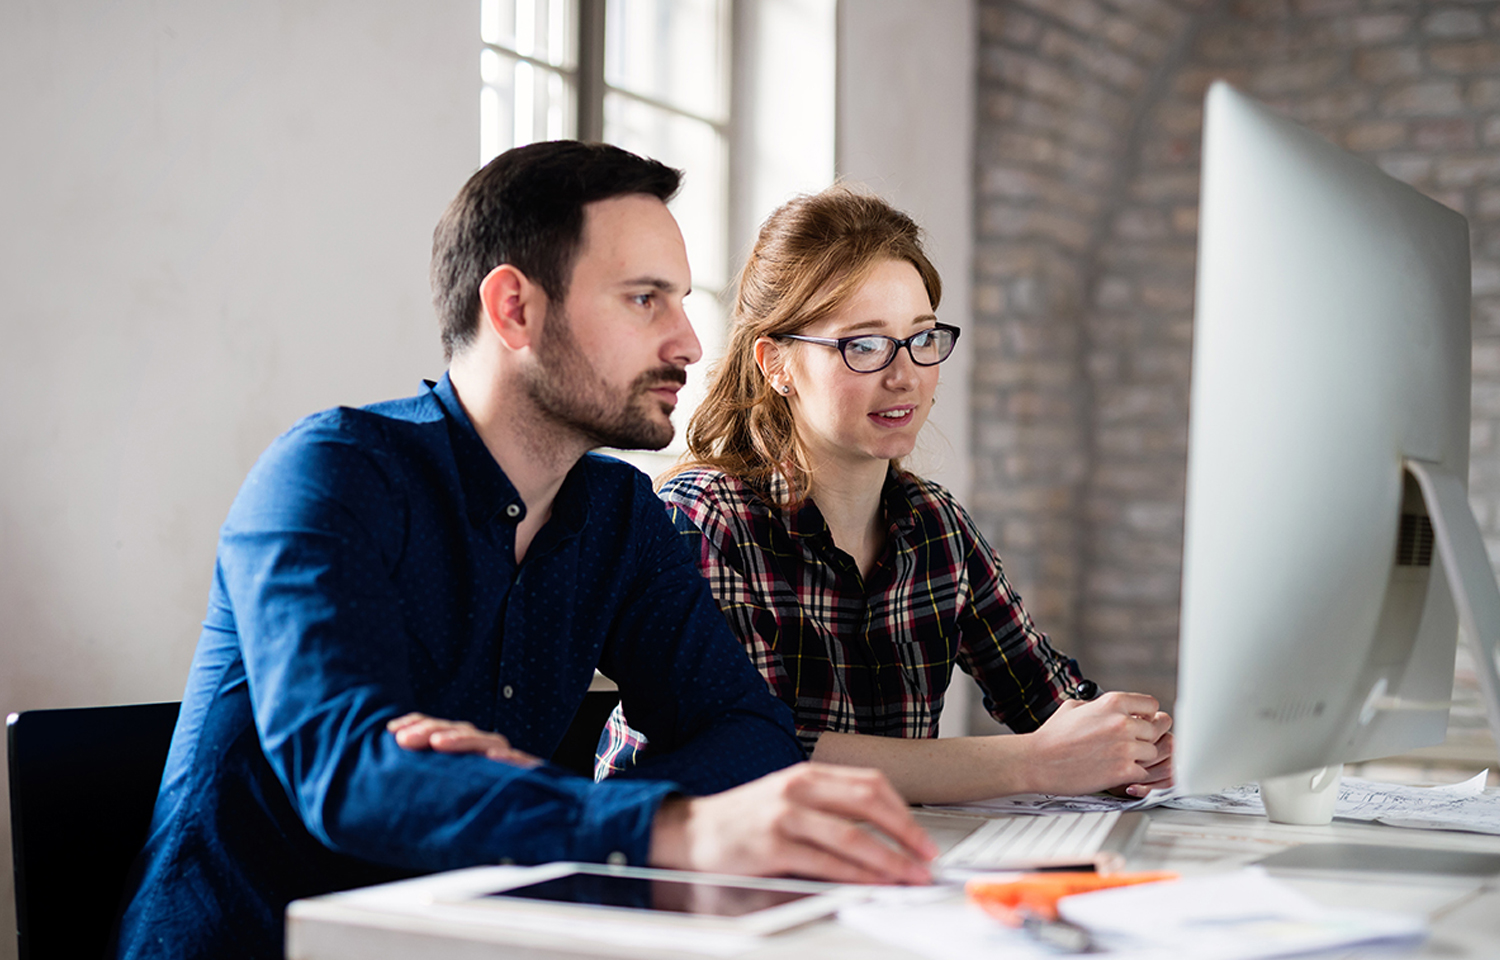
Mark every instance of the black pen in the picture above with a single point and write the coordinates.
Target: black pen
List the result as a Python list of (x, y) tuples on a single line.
[(1085, 690), (1058, 935)]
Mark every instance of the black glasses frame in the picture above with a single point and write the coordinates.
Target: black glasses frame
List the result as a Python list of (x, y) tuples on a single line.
[(842, 344)]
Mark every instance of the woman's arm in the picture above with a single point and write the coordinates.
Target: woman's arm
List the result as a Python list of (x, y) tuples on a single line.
[(1084, 747)]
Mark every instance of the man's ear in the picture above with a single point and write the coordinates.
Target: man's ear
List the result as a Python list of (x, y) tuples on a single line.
[(511, 305)]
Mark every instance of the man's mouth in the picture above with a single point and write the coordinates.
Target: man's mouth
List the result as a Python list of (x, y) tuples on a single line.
[(663, 384), (665, 391)]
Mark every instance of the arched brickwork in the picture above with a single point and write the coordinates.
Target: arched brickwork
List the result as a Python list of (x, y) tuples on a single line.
[(1064, 88), (1090, 116)]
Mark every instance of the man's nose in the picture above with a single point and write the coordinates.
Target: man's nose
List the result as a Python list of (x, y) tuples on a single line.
[(682, 346)]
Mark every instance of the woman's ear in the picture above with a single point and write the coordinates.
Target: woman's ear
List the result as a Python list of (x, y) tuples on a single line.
[(771, 359)]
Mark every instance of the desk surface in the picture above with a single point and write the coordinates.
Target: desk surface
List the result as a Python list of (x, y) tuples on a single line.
[(398, 920)]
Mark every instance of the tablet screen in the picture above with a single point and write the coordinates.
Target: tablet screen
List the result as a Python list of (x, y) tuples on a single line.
[(670, 896)]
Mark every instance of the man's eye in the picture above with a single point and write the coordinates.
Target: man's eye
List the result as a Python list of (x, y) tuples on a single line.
[(643, 299)]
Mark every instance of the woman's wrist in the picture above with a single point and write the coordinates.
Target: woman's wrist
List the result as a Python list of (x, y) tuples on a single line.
[(1014, 762)]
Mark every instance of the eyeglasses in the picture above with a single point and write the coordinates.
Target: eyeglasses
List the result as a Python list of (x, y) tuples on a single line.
[(869, 353)]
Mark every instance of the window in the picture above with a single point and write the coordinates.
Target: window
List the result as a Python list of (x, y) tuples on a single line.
[(655, 77)]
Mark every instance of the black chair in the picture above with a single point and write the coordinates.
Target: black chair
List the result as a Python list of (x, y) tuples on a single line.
[(82, 785), (576, 752)]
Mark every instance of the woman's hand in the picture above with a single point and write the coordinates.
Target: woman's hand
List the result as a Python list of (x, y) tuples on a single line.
[(1119, 742), (418, 731)]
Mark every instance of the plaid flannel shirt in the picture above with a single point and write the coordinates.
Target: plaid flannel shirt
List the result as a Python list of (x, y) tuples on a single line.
[(857, 656)]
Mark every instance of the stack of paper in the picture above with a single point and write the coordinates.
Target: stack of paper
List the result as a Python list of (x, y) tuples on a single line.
[(1457, 806), (1240, 915), (1230, 916)]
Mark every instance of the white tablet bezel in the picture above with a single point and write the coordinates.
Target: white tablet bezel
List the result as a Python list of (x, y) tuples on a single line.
[(822, 899)]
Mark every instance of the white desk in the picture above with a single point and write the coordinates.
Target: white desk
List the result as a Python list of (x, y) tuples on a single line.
[(397, 921)]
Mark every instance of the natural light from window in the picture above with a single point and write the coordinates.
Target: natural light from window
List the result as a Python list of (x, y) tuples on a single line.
[(664, 90)]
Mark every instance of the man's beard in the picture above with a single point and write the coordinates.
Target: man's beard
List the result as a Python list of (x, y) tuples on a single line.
[(567, 388)]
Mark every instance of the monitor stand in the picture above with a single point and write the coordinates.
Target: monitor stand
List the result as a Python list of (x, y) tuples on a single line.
[(1476, 597), (1341, 859), (1470, 576)]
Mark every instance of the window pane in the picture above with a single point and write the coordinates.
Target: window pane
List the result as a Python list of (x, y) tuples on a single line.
[(497, 22), (695, 148), (673, 51), (497, 105), (542, 29), (711, 324), (521, 103)]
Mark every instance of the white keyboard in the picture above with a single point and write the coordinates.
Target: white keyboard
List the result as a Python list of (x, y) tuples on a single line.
[(1054, 839)]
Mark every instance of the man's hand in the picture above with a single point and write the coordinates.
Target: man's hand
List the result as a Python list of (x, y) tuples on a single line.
[(417, 731), (803, 821), (1117, 742)]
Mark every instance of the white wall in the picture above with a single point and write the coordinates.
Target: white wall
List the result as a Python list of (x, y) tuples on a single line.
[(906, 130), (214, 218)]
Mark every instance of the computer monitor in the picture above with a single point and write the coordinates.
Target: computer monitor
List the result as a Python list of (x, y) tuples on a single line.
[(1327, 529)]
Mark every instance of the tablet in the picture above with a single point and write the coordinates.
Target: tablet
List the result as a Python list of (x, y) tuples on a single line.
[(749, 905)]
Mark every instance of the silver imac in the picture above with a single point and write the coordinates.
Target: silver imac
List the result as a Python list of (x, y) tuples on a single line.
[(1328, 533)]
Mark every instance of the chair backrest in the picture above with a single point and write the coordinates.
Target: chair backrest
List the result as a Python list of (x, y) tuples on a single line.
[(576, 752), (82, 785)]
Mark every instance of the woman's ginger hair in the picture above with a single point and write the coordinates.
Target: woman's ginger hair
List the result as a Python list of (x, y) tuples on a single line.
[(809, 258)]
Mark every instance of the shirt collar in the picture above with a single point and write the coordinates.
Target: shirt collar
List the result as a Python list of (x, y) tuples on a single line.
[(899, 512), (808, 520), (488, 492), (570, 508)]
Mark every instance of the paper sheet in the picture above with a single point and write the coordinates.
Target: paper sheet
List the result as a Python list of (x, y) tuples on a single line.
[(1057, 803), (1457, 806), (1238, 915), (940, 924)]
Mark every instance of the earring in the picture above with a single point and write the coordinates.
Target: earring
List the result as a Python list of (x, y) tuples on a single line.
[(786, 388)]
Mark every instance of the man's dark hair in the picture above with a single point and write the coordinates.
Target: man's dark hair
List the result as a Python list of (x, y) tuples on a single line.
[(525, 208)]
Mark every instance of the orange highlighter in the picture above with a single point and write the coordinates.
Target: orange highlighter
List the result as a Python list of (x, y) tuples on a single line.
[(1034, 896)]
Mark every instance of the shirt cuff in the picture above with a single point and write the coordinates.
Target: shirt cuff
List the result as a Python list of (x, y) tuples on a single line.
[(617, 819)]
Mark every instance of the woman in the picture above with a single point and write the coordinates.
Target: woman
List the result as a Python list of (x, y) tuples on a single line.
[(854, 585)]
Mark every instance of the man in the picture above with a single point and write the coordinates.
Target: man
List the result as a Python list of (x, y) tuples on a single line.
[(460, 555)]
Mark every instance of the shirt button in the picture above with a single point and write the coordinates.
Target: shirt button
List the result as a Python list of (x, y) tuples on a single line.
[(513, 511), (509, 691), (617, 859)]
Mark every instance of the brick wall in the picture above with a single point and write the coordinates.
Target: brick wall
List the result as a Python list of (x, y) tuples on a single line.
[(1087, 162)]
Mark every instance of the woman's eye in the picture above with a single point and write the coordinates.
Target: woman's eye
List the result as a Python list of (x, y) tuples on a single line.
[(865, 345)]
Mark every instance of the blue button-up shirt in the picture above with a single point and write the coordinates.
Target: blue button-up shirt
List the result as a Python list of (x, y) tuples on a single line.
[(367, 569)]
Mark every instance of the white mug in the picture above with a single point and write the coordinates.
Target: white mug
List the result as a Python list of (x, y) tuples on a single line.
[(1305, 798)]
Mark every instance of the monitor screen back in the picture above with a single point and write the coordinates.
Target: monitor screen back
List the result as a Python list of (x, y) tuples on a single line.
[(1331, 342)]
